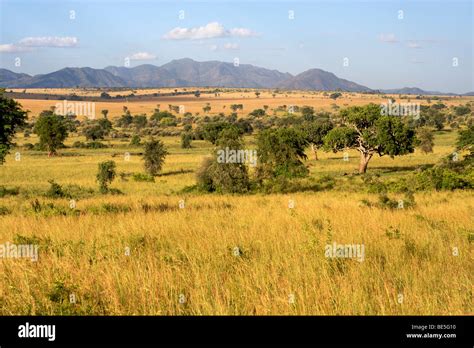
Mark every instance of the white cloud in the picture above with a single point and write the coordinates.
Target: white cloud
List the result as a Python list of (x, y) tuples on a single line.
[(11, 48), (242, 32), (49, 41), (231, 46), (389, 38), (30, 43), (209, 31), (413, 44), (142, 56), (213, 47)]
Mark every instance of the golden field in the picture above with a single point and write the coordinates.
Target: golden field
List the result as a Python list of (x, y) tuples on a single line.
[(140, 253), (222, 102)]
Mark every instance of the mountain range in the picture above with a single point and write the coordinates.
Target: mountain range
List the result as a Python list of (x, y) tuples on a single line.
[(189, 73)]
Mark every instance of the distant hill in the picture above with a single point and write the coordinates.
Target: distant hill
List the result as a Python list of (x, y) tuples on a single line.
[(7, 76), (413, 90), (317, 79), (187, 72), (190, 73), (69, 77)]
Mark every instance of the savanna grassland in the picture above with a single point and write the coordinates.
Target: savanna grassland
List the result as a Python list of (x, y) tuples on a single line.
[(141, 253), (219, 102)]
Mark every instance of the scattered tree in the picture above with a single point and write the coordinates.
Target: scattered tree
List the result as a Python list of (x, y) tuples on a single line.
[(425, 139), (52, 131), (371, 134), (315, 133), (11, 118), (280, 153), (106, 175), (154, 156), (186, 139)]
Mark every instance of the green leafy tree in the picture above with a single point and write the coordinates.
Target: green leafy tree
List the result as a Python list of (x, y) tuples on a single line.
[(206, 108), (186, 139), (307, 112), (154, 156), (106, 175), (372, 133), (466, 140), (94, 131), (52, 131), (257, 113), (135, 141), (125, 120), (280, 153), (11, 118), (211, 131), (315, 133), (221, 176), (139, 121), (425, 139)]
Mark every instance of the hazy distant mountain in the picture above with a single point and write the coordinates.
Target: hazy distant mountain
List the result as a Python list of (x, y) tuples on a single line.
[(7, 76), (189, 73), (146, 75), (222, 74), (469, 94), (413, 90), (69, 77), (317, 79)]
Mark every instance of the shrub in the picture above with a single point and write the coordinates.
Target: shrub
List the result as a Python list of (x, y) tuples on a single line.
[(222, 177), (142, 177), (4, 210), (155, 154), (106, 175), (225, 177), (135, 141), (186, 139), (280, 153), (4, 191), (55, 190)]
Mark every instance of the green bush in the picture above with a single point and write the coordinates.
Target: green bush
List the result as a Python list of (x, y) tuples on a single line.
[(55, 190), (4, 191), (143, 177), (106, 175)]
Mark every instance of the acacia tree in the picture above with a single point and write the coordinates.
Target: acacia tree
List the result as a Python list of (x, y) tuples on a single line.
[(155, 153), (11, 117), (370, 132), (280, 153), (52, 131), (466, 140), (315, 133), (222, 176), (106, 175), (425, 139)]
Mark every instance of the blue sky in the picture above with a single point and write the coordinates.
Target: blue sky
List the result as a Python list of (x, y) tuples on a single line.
[(385, 48)]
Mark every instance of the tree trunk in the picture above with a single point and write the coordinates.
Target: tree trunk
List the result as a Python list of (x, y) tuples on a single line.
[(364, 161), (315, 152)]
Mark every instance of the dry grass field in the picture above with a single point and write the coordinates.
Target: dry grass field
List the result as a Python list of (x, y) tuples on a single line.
[(221, 103), (141, 253)]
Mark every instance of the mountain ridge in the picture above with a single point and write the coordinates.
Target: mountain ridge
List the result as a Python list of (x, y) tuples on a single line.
[(186, 72)]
